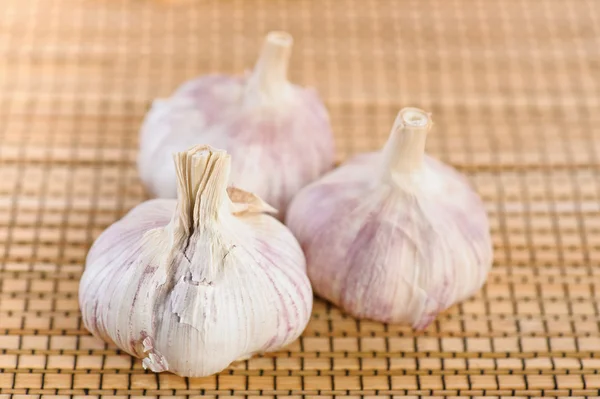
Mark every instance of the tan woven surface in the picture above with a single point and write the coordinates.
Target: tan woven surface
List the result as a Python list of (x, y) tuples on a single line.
[(515, 92)]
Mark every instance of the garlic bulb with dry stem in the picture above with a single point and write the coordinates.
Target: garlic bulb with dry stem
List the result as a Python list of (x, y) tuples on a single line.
[(194, 284), (278, 134), (394, 236)]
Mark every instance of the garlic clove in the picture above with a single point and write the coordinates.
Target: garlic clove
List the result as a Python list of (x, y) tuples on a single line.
[(394, 236), (277, 133), (193, 284)]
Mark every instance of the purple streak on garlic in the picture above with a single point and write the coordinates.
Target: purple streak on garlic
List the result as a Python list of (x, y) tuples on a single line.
[(277, 133), (394, 236), (193, 284)]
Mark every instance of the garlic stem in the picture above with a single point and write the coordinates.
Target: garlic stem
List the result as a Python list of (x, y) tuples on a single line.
[(202, 177), (405, 148), (269, 79)]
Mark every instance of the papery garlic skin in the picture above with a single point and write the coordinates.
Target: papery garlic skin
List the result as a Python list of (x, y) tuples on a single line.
[(192, 285), (278, 134), (394, 236)]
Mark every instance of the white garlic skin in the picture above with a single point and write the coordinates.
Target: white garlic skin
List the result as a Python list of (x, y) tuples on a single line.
[(396, 247), (278, 134), (192, 304)]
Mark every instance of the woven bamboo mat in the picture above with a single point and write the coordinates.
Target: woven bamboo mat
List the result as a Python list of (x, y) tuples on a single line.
[(515, 93)]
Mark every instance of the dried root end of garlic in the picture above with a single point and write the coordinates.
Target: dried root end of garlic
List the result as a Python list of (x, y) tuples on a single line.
[(278, 134), (394, 236), (193, 284)]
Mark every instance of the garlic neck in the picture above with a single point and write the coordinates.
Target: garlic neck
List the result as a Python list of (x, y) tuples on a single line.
[(202, 177), (404, 151), (268, 82)]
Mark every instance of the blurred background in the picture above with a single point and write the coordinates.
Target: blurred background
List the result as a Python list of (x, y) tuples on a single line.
[(514, 89)]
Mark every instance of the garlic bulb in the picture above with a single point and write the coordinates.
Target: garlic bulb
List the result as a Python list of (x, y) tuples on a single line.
[(193, 284), (278, 134), (394, 236)]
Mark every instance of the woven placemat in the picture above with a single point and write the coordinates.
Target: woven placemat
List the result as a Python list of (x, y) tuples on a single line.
[(514, 90)]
